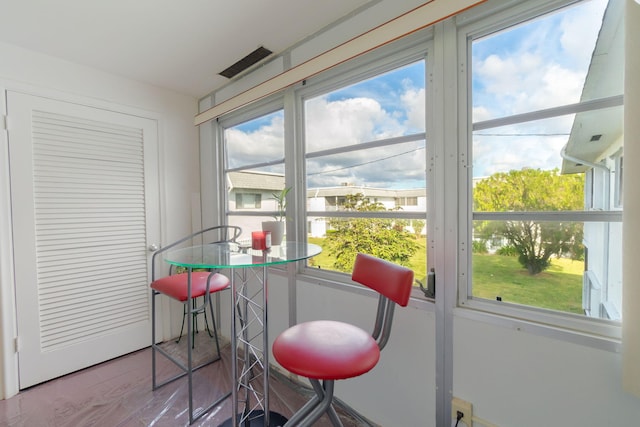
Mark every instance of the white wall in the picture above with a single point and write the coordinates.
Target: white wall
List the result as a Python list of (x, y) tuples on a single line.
[(516, 378), (39, 74)]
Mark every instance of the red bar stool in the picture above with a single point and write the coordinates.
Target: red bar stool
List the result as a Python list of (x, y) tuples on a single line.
[(175, 286), (203, 284), (326, 350)]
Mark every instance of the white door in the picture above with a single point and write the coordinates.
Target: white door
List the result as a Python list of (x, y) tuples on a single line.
[(84, 196)]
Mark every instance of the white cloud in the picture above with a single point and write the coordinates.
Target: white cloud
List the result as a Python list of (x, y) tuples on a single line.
[(351, 121), (516, 153), (559, 86), (525, 82), (533, 145), (340, 123), (578, 37), (263, 144), (413, 100), (481, 114), (346, 122)]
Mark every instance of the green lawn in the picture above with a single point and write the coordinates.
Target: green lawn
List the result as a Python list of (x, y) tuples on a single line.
[(558, 288)]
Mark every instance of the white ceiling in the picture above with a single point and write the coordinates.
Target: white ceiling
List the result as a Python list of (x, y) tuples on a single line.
[(181, 45)]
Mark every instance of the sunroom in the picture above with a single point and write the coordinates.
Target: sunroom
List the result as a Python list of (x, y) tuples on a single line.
[(400, 122)]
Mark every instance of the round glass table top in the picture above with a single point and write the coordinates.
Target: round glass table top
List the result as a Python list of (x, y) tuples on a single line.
[(234, 255)]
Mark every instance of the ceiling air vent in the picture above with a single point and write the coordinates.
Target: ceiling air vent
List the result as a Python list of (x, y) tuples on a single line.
[(595, 138), (246, 62)]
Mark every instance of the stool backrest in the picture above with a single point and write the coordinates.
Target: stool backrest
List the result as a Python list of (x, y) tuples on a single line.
[(391, 280), (393, 283)]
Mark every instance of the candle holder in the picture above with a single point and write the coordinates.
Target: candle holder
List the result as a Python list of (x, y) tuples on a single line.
[(260, 240)]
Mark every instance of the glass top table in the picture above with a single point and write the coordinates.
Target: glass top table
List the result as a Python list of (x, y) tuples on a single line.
[(250, 309), (234, 255)]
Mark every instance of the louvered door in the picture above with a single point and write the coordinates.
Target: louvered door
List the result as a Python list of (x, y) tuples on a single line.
[(84, 203)]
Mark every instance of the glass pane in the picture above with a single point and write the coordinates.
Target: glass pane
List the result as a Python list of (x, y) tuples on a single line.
[(256, 141), (523, 172), (389, 105), (369, 178), (535, 144), (582, 279), (567, 163), (543, 63), (400, 167), (251, 189), (374, 236)]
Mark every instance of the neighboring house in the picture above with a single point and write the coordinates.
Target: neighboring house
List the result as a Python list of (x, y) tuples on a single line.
[(252, 192), (595, 147), (333, 198)]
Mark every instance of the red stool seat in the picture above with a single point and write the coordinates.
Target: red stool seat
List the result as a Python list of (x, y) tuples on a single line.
[(326, 350), (175, 286)]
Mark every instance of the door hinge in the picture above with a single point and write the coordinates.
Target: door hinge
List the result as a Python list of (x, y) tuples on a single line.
[(3, 122), (16, 344)]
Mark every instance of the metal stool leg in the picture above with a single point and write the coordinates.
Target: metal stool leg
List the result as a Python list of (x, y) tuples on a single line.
[(213, 321), (184, 315)]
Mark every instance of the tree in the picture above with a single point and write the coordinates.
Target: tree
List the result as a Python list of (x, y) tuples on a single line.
[(531, 190), (417, 225), (380, 237)]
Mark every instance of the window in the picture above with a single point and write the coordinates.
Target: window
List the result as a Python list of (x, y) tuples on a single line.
[(248, 201), (254, 165), (619, 164), (546, 119), (406, 201), (366, 168)]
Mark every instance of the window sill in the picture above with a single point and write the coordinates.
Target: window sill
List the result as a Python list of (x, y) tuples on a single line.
[(595, 333)]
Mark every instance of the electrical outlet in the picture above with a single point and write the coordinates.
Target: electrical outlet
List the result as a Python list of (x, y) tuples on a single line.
[(459, 405)]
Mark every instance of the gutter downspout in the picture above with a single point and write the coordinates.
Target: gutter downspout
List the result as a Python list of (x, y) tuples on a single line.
[(607, 206)]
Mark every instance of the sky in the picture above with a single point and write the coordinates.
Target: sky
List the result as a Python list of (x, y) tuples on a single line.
[(537, 65), (534, 66)]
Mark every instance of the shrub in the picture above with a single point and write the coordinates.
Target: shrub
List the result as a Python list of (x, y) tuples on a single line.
[(479, 247), (508, 250)]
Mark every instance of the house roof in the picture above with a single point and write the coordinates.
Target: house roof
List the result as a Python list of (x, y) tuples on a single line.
[(255, 181), (593, 132), (264, 181), (367, 191)]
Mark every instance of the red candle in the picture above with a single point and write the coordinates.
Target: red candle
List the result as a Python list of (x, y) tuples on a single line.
[(260, 240)]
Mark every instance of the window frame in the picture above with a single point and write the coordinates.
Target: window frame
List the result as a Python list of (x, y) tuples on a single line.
[(417, 46), (447, 168), (618, 186), (388, 58), (263, 108), (473, 25)]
